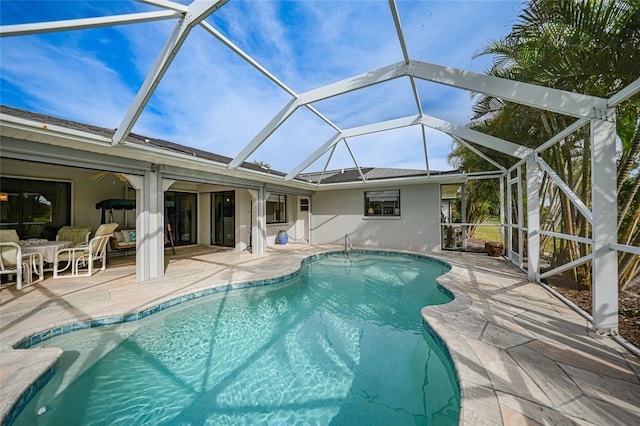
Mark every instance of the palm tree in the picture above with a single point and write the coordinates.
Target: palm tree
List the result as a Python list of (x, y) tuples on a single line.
[(262, 164), (586, 46)]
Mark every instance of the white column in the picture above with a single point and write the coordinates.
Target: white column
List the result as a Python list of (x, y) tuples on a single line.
[(310, 218), (502, 214), (149, 224), (463, 214), (156, 227), (605, 228), (259, 231), (510, 218), (533, 219), (520, 218), (141, 184), (255, 243)]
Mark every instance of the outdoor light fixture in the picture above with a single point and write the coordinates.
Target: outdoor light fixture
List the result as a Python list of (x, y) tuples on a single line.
[(4, 196)]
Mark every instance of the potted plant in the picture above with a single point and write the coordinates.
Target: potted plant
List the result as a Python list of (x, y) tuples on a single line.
[(494, 248)]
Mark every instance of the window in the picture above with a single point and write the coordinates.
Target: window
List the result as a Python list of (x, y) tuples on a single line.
[(34, 208), (276, 208), (382, 203)]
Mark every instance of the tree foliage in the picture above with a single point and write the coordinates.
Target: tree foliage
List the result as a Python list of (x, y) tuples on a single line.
[(584, 46)]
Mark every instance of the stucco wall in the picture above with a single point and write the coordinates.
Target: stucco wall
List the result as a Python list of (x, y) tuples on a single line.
[(289, 225), (336, 213)]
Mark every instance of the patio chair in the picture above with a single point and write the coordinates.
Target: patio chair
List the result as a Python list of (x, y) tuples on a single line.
[(78, 234), (79, 260), (14, 261)]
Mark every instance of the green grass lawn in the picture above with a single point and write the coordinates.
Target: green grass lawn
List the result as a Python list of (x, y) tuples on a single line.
[(489, 233), (492, 233)]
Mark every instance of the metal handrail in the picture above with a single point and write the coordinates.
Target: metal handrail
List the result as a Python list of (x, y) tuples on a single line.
[(347, 250)]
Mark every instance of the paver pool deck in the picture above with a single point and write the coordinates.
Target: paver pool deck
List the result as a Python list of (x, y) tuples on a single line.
[(522, 356)]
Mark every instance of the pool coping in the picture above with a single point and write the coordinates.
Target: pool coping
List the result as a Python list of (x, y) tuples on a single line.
[(480, 397)]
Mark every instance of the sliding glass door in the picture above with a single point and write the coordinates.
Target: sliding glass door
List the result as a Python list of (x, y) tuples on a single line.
[(223, 219), (180, 213)]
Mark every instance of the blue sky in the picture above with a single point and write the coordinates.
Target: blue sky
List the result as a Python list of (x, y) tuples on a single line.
[(213, 100)]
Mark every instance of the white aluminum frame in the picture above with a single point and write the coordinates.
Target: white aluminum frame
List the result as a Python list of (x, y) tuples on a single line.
[(596, 112)]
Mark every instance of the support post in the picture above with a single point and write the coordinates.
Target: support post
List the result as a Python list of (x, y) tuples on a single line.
[(149, 224), (310, 224), (463, 208), (259, 233), (520, 218), (142, 187), (604, 202), (533, 219), (502, 215), (158, 228), (510, 218)]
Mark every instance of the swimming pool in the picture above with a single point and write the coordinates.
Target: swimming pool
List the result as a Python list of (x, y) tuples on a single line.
[(342, 342)]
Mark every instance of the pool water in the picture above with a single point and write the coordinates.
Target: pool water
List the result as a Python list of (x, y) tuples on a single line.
[(342, 343)]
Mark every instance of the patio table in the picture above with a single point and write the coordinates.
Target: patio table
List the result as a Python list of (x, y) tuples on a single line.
[(47, 249)]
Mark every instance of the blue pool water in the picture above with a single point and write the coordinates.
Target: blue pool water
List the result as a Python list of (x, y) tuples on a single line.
[(342, 343)]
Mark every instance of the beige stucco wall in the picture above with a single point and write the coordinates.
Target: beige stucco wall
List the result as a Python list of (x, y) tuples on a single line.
[(334, 213), (289, 226), (340, 212), (302, 222)]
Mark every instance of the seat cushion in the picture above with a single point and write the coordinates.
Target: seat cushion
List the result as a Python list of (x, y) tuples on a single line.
[(9, 235)]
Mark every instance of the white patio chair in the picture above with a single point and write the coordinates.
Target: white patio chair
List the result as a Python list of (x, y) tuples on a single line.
[(79, 260), (79, 235), (14, 261)]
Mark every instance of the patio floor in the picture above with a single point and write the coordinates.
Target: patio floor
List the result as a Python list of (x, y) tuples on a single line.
[(522, 356)]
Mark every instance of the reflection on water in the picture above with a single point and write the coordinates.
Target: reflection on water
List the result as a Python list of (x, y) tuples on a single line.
[(342, 343)]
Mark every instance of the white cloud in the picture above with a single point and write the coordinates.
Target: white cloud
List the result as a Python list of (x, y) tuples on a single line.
[(212, 99), (62, 81)]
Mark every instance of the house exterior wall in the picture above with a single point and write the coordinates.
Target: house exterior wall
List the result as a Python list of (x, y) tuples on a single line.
[(334, 213), (289, 225), (339, 212), (302, 221), (294, 225)]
